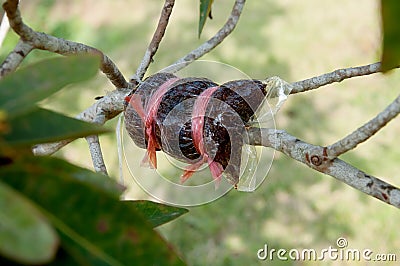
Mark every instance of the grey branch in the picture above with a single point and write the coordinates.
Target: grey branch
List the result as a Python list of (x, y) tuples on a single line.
[(31, 39), (50, 148), (213, 42), (50, 43), (366, 131), (316, 158), (97, 156), (155, 41), (335, 76), (14, 59)]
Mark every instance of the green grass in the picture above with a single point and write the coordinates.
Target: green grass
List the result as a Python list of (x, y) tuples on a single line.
[(295, 207)]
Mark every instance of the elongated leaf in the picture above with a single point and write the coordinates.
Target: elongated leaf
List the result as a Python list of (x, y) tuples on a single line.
[(390, 10), (25, 235), (156, 213), (21, 90), (205, 12), (41, 125), (88, 215)]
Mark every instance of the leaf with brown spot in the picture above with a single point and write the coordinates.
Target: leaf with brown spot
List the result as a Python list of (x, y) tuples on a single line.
[(78, 208)]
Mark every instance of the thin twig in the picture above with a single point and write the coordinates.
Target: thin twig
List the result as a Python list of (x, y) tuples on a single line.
[(335, 76), (50, 43), (366, 131), (97, 156), (15, 57), (213, 42), (155, 41), (316, 158), (50, 148)]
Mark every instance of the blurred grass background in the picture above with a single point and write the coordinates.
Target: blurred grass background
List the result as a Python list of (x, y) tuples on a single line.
[(295, 207)]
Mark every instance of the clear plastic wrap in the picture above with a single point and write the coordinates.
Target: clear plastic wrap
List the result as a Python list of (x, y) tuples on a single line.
[(277, 93), (197, 121)]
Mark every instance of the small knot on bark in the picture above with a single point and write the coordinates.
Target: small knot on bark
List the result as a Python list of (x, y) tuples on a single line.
[(316, 160)]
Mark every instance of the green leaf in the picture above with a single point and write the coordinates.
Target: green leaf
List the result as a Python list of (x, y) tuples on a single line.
[(390, 10), (97, 225), (25, 235), (157, 213), (41, 125), (205, 12), (20, 90)]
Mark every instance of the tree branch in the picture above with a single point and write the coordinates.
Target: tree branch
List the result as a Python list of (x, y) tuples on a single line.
[(155, 41), (366, 131), (50, 148), (50, 43), (316, 158), (335, 76), (213, 42), (14, 59), (98, 113), (96, 154)]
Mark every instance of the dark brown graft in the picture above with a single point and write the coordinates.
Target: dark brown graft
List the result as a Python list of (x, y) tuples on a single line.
[(230, 107)]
